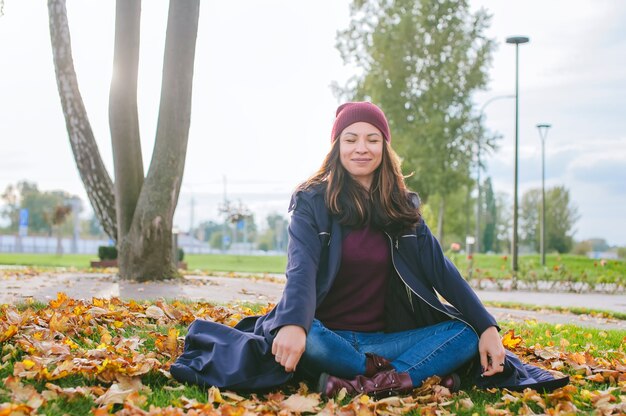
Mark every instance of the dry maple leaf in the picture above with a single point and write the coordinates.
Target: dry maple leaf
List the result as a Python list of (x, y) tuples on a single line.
[(510, 341), (114, 395), (12, 409), (300, 404), (59, 301), (154, 312), (214, 395), (7, 331)]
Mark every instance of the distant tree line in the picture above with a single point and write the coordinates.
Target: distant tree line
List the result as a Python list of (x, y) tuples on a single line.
[(50, 211), (273, 237)]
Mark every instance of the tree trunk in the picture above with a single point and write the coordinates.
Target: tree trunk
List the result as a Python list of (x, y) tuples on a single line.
[(146, 251), (442, 206), (123, 114), (93, 173)]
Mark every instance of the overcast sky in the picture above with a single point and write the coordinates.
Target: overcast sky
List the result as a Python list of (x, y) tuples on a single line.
[(263, 107)]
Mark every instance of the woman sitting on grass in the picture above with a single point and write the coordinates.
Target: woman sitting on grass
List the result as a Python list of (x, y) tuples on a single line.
[(360, 308)]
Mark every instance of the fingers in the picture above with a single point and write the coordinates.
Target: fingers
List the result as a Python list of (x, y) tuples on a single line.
[(288, 346), (492, 352), (495, 362), (288, 359), (484, 362)]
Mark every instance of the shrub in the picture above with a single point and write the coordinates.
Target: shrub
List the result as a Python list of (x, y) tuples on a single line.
[(107, 252), (181, 254)]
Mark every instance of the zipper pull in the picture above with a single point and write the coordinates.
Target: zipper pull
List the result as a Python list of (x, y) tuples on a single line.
[(396, 243)]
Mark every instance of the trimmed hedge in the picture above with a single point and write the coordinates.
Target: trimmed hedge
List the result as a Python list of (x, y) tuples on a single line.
[(107, 252)]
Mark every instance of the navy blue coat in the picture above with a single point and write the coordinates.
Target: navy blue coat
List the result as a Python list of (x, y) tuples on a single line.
[(240, 358)]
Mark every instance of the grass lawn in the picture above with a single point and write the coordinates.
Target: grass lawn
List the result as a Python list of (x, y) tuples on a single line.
[(481, 267), (204, 262), (111, 357)]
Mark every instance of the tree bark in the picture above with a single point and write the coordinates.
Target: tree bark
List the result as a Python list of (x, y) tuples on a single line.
[(123, 114), (93, 173), (146, 251)]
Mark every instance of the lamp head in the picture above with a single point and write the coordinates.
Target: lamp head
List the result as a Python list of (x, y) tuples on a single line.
[(543, 130), (517, 39)]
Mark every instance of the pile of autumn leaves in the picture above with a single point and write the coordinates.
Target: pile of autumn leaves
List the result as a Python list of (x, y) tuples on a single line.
[(111, 346)]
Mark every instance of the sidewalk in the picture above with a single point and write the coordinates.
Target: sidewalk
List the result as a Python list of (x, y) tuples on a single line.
[(17, 286)]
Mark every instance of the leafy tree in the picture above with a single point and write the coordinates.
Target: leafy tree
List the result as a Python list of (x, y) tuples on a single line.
[(421, 61), (489, 221), (504, 219), (582, 248), (204, 231), (137, 211), (599, 244), (217, 239), (459, 217), (530, 218), (275, 236), (45, 208), (561, 216)]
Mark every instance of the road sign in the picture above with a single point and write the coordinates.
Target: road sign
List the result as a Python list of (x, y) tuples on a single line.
[(23, 225)]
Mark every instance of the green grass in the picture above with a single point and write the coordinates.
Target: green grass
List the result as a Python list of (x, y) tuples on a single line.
[(231, 263), (596, 342), (203, 262), (568, 269), (80, 261), (600, 313), (559, 268)]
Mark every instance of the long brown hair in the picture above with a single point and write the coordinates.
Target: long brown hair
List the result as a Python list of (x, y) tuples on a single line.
[(385, 206)]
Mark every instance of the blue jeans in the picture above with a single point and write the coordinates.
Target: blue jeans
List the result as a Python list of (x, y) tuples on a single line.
[(423, 352)]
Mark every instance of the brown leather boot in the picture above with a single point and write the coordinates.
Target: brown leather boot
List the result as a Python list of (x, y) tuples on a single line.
[(375, 364), (452, 381), (385, 383)]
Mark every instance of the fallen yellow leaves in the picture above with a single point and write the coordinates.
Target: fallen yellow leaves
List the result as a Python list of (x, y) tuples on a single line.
[(112, 345), (510, 341)]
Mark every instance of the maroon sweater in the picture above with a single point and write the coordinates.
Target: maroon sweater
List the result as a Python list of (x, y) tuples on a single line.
[(356, 301)]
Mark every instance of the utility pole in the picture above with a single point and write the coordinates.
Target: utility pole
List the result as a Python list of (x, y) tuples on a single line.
[(516, 40)]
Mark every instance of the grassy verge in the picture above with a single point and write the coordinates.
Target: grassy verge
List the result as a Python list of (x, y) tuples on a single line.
[(79, 261), (112, 357), (562, 269), (202, 262), (599, 313)]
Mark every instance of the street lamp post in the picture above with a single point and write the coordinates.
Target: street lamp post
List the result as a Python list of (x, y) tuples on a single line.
[(478, 201), (543, 134), (517, 40)]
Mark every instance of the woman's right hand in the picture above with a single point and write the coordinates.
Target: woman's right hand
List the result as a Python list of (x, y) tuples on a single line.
[(288, 346)]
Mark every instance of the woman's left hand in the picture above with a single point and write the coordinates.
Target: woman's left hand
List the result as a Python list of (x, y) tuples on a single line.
[(491, 352)]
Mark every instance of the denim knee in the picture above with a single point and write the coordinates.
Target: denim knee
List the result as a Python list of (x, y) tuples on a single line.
[(316, 347), (470, 338)]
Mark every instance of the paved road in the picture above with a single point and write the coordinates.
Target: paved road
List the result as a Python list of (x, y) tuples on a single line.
[(17, 286)]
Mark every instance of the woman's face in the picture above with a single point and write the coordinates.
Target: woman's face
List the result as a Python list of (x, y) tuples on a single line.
[(361, 151)]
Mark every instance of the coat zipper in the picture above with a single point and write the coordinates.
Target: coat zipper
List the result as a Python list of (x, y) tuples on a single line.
[(393, 261)]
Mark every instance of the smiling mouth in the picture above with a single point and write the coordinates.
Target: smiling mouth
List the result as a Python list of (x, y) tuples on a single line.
[(361, 160)]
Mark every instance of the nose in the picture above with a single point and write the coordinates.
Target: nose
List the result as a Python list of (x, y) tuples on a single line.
[(361, 147)]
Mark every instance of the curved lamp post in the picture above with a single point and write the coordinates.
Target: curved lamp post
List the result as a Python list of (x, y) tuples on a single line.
[(478, 201), (543, 134), (516, 40)]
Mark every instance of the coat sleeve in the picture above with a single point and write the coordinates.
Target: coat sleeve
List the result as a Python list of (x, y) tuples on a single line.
[(446, 279), (297, 305)]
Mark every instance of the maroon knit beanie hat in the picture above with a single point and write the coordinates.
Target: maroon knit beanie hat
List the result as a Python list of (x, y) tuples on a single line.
[(353, 112)]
